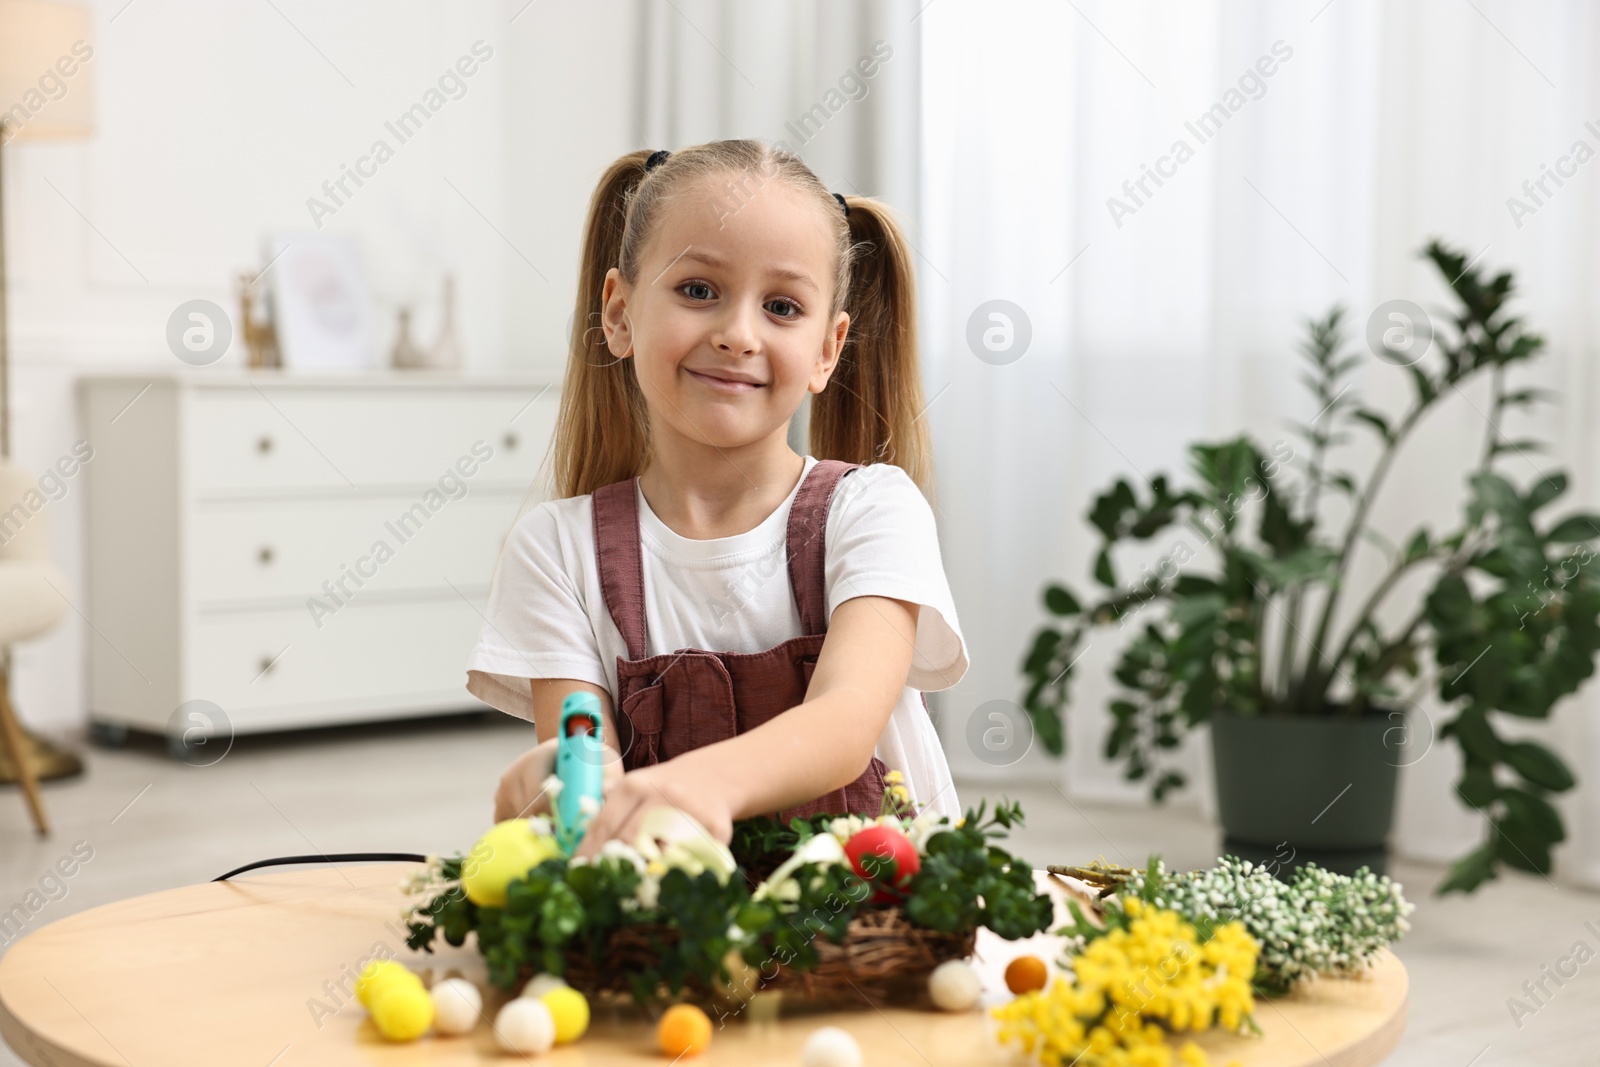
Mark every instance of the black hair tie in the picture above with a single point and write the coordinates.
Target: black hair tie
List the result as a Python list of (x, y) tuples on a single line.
[(658, 157), (839, 197)]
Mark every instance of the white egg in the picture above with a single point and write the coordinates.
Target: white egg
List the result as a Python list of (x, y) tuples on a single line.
[(954, 986), (456, 1006), (540, 984), (829, 1046), (525, 1025)]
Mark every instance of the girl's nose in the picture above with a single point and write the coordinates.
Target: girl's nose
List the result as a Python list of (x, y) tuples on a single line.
[(735, 329)]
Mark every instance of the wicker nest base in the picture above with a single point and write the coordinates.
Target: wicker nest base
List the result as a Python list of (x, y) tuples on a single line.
[(882, 958)]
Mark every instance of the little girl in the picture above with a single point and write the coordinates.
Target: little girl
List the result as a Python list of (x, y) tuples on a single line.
[(757, 625)]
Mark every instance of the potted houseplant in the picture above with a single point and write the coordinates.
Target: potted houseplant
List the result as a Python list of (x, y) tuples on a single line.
[(1307, 681)]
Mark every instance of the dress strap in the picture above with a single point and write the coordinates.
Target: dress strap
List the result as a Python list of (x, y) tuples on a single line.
[(621, 561), (808, 526)]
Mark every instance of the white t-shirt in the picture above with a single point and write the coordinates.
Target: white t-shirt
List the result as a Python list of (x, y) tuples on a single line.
[(547, 617)]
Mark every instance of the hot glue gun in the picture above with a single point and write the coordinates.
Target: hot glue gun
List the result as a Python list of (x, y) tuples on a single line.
[(580, 767)]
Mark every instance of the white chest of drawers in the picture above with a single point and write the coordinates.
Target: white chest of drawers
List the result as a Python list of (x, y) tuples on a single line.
[(296, 551)]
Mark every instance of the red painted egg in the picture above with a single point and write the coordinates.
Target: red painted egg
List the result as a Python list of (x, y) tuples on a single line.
[(874, 849)]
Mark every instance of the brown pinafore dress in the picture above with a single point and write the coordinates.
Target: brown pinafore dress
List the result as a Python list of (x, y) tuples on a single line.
[(672, 703)]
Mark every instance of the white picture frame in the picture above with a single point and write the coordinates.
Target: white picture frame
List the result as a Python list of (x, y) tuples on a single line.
[(321, 304)]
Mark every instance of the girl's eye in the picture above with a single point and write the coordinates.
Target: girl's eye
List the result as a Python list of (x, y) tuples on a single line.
[(688, 289)]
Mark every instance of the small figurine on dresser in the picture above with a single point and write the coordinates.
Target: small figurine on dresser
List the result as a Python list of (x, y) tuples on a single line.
[(445, 354), (255, 318), (406, 355)]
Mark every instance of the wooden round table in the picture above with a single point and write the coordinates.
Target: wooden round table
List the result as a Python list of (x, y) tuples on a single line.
[(249, 972)]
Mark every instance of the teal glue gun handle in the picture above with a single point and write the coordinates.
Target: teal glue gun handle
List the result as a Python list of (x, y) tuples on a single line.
[(580, 767)]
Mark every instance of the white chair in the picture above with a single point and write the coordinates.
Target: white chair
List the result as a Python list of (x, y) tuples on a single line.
[(30, 605)]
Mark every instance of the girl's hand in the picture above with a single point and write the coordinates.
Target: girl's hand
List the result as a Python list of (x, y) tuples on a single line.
[(675, 783), (521, 791)]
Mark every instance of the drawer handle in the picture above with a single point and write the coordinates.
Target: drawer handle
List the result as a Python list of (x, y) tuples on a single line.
[(510, 441), (264, 445), (266, 554), (267, 664)]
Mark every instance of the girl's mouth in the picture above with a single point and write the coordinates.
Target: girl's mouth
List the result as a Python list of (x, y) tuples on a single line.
[(724, 384)]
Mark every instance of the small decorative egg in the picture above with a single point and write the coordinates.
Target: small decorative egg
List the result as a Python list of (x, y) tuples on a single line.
[(684, 1030), (402, 1011), (954, 986), (570, 1010), (456, 1006), (542, 983), (1025, 974), (829, 1046), (525, 1025), (380, 973)]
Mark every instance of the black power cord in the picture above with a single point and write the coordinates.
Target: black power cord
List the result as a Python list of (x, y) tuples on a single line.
[(338, 857)]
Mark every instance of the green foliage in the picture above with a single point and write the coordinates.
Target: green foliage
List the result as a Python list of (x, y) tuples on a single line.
[(1241, 607), (965, 881)]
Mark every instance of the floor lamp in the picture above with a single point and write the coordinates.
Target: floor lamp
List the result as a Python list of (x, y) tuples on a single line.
[(46, 92)]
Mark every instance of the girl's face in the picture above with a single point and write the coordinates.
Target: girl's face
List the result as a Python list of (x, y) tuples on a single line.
[(727, 325)]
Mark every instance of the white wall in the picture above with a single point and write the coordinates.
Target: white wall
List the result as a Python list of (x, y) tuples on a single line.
[(216, 121)]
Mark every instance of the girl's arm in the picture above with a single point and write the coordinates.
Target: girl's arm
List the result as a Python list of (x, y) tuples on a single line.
[(548, 693), (826, 742), (821, 745)]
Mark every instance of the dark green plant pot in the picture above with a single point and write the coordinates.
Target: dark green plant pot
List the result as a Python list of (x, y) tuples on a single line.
[(1297, 789)]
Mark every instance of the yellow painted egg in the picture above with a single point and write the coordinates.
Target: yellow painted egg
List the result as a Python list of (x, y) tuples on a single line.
[(570, 1011), (402, 1011), (509, 850)]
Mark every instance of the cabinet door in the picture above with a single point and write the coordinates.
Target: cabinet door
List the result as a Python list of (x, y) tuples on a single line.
[(372, 659), (294, 549), (288, 438)]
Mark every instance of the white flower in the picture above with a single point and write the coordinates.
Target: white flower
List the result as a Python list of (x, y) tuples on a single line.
[(540, 824), (924, 826), (674, 838), (589, 806), (552, 785), (623, 851), (821, 849), (847, 826)]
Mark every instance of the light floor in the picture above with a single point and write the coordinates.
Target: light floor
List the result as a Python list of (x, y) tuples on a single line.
[(425, 787)]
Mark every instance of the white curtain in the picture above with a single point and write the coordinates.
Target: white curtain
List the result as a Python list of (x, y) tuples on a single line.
[(1173, 317)]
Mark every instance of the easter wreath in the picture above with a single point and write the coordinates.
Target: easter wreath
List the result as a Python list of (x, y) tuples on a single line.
[(833, 904)]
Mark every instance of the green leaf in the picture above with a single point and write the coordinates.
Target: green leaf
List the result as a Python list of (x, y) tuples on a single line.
[(1514, 845), (1545, 490), (1469, 872), (1478, 739), (1041, 656), (1537, 816), (1060, 602), (1103, 572), (1477, 787), (1427, 390), (1377, 422), (1450, 603), (1418, 547), (1527, 396), (1521, 447), (1575, 528), (1312, 563), (1540, 766), (1110, 507)]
